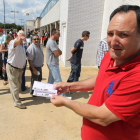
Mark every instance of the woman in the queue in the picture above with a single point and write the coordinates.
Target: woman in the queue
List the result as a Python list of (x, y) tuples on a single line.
[(4, 50)]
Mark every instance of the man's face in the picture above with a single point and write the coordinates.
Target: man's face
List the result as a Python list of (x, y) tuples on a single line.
[(122, 37), (57, 35), (35, 40), (23, 36), (86, 37)]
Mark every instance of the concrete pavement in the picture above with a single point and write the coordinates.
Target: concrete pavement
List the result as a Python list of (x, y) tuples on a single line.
[(41, 120)]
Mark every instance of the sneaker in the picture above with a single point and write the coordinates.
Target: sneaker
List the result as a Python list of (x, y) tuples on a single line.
[(5, 83), (21, 106), (24, 89)]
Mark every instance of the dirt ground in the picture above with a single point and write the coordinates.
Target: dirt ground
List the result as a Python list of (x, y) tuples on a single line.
[(41, 120)]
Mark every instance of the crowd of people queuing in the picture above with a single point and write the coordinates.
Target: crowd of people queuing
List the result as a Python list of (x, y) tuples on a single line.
[(15, 49), (115, 103)]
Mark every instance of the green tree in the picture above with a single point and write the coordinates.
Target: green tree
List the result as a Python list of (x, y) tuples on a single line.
[(10, 26), (18, 28)]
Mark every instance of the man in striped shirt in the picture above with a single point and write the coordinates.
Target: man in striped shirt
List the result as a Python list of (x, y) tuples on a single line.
[(102, 50)]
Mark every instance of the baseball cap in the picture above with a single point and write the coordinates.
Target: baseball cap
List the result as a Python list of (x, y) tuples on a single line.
[(1, 30)]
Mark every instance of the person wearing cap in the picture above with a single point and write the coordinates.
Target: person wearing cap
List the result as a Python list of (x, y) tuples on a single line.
[(15, 64), (2, 36)]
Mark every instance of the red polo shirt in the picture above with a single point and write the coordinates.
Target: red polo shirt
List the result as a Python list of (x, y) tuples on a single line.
[(119, 88)]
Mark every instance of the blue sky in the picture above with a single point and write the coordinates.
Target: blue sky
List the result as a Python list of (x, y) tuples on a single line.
[(33, 7)]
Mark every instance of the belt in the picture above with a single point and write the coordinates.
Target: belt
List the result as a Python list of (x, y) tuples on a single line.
[(13, 66)]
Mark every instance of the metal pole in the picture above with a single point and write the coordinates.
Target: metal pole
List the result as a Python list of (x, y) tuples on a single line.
[(4, 15), (21, 21), (14, 16)]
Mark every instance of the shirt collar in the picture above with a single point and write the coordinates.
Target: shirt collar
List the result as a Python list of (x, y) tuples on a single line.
[(36, 45), (126, 66)]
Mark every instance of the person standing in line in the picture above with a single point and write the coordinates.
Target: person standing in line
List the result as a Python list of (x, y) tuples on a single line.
[(2, 40), (76, 57), (52, 53), (23, 87), (1, 65), (28, 39), (46, 36), (36, 60), (11, 31), (39, 34), (102, 50), (42, 37), (15, 64), (4, 50)]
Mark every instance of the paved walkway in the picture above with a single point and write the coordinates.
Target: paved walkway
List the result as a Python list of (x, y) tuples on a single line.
[(41, 120)]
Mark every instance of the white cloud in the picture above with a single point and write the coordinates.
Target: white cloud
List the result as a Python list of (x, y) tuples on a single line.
[(33, 7), (9, 20)]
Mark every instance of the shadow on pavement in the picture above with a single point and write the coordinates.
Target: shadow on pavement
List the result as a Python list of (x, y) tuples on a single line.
[(80, 94), (35, 101), (5, 91), (28, 78)]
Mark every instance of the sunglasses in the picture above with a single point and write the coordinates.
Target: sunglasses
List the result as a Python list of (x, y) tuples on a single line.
[(36, 39)]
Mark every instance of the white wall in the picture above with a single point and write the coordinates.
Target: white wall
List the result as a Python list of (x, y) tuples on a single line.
[(109, 7), (84, 15), (52, 16), (63, 28)]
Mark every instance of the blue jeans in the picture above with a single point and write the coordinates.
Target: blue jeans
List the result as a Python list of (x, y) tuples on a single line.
[(54, 75), (23, 87), (5, 73), (75, 72)]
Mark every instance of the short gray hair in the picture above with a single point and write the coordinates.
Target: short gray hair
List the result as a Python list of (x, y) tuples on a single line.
[(20, 32)]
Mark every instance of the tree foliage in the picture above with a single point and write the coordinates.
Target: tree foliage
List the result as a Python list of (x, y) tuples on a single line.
[(10, 26), (18, 28)]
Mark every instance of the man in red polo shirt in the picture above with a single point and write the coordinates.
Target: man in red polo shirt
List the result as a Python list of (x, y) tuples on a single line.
[(113, 110)]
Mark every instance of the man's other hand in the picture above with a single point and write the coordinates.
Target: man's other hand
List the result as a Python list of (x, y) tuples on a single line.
[(35, 72), (58, 101)]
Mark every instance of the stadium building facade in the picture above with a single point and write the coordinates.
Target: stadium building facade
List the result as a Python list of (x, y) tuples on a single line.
[(74, 16)]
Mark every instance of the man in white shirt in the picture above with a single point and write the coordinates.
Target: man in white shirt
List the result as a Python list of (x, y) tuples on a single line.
[(15, 63), (39, 34)]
